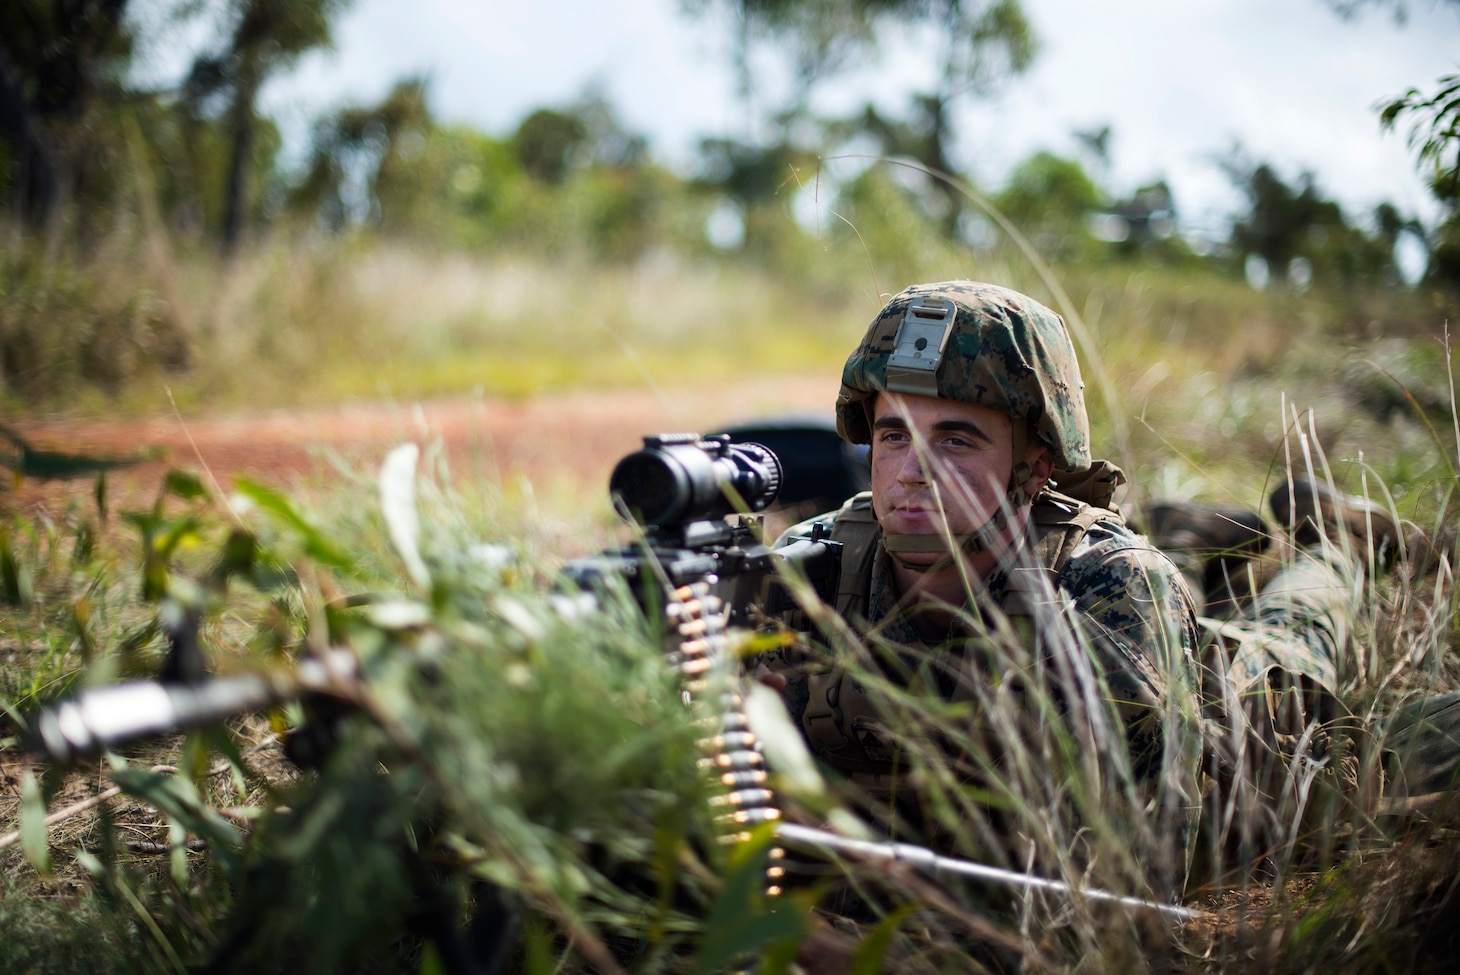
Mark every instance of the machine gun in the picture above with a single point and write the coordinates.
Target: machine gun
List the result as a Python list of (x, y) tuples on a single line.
[(680, 488), (700, 571)]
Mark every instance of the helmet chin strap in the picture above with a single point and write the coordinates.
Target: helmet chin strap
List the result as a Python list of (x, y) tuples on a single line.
[(980, 540)]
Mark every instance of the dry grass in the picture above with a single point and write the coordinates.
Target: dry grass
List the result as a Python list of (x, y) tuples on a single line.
[(1198, 386)]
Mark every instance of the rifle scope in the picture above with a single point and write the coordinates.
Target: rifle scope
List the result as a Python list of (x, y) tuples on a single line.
[(681, 477)]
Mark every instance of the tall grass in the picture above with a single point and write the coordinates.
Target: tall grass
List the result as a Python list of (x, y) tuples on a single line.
[(296, 323), (549, 756), (1190, 374)]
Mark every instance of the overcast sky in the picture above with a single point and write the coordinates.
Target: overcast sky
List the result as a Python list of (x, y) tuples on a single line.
[(1179, 81)]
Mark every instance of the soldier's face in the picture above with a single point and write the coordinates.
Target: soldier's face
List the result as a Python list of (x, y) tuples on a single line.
[(938, 465)]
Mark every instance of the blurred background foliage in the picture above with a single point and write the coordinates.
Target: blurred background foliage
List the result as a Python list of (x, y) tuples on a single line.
[(163, 232)]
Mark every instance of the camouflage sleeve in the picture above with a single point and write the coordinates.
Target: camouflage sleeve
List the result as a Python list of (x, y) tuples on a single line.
[(1140, 622)]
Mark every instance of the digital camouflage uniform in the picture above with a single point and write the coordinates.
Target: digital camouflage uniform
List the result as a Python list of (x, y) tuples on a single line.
[(1298, 625), (1281, 667), (1101, 614), (1114, 598), (1277, 672)]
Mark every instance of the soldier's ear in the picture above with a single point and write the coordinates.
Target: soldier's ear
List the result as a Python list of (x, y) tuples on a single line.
[(1041, 467)]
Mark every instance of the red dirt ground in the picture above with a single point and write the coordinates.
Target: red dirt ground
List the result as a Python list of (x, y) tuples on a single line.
[(573, 438)]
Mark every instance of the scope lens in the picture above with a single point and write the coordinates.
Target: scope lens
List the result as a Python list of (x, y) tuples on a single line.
[(683, 481), (648, 486)]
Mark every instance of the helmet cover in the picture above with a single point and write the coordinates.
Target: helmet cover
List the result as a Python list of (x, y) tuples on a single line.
[(974, 343)]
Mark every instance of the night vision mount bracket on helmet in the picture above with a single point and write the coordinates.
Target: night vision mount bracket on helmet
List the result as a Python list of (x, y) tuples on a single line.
[(917, 349)]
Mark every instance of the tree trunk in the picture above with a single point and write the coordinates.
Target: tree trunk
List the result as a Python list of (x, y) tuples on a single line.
[(940, 133), (243, 121), (38, 176)]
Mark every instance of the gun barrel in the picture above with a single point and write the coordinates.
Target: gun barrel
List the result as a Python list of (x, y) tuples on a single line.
[(98, 720)]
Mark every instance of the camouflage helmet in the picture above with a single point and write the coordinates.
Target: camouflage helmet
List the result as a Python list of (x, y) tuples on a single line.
[(975, 343)]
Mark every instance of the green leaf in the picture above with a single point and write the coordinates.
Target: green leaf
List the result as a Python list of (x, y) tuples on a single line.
[(312, 826), (743, 918), (177, 854), (15, 577), (194, 757), (398, 506), (537, 948), (431, 961), (779, 957), (185, 485), (33, 838), (238, 557), (668, 835), (220, 739), (784, 746), (316, 544), (182, 530), (176, 798), (101, 498), (873, 950), (84, 546), (81, 620), (91, 864)]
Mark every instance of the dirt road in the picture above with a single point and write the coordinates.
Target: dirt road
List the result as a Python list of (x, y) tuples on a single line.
[(572, 439)]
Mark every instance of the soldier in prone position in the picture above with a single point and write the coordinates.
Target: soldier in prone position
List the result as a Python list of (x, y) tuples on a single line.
[(989, 565), (968, 573)]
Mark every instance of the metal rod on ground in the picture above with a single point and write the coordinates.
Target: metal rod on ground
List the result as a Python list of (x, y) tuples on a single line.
[(927, 861)]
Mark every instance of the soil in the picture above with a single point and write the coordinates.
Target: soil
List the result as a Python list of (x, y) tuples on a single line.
[(570, 439)]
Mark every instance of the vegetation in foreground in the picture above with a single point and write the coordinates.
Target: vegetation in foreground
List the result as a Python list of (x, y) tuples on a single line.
[(548, 758), (547, 755)]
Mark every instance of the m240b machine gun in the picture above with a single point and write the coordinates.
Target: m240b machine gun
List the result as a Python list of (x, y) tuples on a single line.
[(679, 488)]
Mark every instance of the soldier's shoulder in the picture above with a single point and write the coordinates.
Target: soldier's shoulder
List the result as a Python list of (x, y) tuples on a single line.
[(1114, 549)]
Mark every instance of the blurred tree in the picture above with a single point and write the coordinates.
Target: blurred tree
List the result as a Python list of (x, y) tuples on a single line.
[(979, 43), (546, 142), (570, 179), (755, 183), (551, 143), (817, 36), (59, 60), (1096, 142), (1050, 199), (1435, 136), (610, 143), (1399, 9), (264, 36), (982, 43), (1046, 188), (747, 173), (888, 208), (594, 183), (361, 157), (1144, 224), (1302, 237)]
